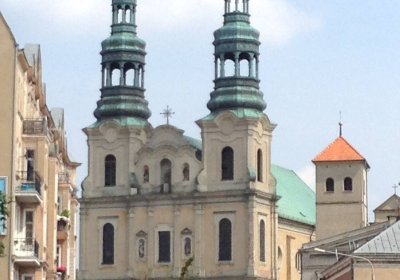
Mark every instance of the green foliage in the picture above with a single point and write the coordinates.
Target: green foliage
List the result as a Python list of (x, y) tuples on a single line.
[(65, 213), (3, 215), (185, 269)]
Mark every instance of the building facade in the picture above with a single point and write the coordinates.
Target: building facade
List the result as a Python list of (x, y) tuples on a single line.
[(155, 198), (37, 175)]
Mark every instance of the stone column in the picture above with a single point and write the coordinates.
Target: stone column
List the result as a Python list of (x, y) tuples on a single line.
[(134, 15), (251, 65), (123, 16), (237, 65), (102, 77), (131, 15), (274, 241), (177, 244), (131, 242), (122, 77), (244, 6), (251, 237), (257, 66), (237, 5), (198, 244), (136, 82), (151, 241), (82, 248), (108, 70), (216, 67), (142, 82), (222, 66), (115, 15)]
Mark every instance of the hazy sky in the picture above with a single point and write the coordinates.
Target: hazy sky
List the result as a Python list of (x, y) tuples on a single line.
[(317, 58)]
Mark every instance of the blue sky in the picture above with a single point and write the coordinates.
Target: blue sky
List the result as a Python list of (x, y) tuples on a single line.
[(317, 58)]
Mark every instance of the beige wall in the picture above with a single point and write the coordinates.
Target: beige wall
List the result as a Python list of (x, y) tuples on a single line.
[(335, 207), (7, 70), (381, 272)]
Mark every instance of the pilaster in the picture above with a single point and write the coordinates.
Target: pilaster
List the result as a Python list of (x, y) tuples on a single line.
[(151, 242), (131, 242), (198, 249), (177, 243), (251, 237)]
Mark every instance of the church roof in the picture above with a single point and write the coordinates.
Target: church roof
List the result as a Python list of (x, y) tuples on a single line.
[(387, 242), (297, 199), (339, 150), (392, 203)]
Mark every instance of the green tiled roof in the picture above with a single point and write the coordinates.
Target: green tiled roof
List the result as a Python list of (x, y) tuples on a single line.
[(297, 199), (195, 143)]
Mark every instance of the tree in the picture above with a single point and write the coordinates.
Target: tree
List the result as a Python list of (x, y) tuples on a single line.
[(3, 215)]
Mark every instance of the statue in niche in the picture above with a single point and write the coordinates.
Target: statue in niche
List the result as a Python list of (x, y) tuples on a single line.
[(188, 246), (186, 172), (141, 248), (146, 174)]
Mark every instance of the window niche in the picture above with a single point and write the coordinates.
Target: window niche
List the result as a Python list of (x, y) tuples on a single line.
[(108, 244), (225, 240), (164, 247), (259, 166), (166, 174), (348, 184), (186, 172), (187, 247), (329, 185), (110, 171), (227, 164), (262, 241), (146, 174), (141, 241)]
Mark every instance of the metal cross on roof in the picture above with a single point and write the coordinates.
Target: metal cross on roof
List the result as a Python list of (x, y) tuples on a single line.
[(168, 114), (395, 187), (340, 124)]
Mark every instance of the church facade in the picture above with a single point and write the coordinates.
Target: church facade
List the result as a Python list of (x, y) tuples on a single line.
[(156, 200)]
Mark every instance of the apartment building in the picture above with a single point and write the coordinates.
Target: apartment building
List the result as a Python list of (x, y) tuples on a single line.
[(37, 174)]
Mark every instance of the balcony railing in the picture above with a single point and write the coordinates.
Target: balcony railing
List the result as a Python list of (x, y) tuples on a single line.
[(36, 126), (29, 182), (63, 178), (26, 247)]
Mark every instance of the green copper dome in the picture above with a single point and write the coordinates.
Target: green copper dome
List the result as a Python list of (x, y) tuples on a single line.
[(238, 42), (122, 98)]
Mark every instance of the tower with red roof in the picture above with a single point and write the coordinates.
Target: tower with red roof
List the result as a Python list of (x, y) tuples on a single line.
[(341, 188)]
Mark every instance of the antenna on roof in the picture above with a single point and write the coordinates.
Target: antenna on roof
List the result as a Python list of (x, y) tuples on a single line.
[(340, 124)]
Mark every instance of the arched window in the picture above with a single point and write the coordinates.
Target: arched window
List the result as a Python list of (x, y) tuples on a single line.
[(128, 15), (110, 167), (229, 65), (348, 184), (129, 77), (108, 244), (120, 11), (186, 172), (262, 241), (115, 77), (146, 174), (187, 246), (227, 163), (225, 240), (259, 166), (166, 170), (330, 185)]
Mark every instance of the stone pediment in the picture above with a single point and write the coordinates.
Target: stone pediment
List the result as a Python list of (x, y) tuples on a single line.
[(141, 234), (391, 204), (167, 135), (186, 231)]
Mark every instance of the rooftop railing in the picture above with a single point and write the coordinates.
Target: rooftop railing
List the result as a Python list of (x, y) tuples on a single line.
[(35, 126)]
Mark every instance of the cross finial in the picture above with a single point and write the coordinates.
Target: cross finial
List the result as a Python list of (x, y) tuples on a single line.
[(340, 124), (167, 114), (395, 187)]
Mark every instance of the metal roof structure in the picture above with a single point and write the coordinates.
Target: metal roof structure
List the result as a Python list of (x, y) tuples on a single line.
[(387, 242)]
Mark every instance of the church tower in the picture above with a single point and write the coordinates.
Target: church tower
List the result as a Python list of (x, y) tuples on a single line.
[(341, 188), (154, 199)]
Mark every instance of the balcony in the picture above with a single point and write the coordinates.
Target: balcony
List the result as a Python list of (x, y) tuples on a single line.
[(29, 186), (62, 229), (35, 127), (63, 178), (26, 252)]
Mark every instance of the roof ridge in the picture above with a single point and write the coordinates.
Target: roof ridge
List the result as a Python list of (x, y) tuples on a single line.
[(339, 150)]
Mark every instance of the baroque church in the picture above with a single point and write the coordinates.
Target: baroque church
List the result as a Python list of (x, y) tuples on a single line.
[(155, 198)]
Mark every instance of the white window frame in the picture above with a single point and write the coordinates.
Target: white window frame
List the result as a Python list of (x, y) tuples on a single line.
[(159, 228), (102, 221), (218, 216), (24, 223), (59, 253), (25, 276)]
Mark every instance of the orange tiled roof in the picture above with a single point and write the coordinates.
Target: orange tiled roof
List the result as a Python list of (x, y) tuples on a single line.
[(339, 150)]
